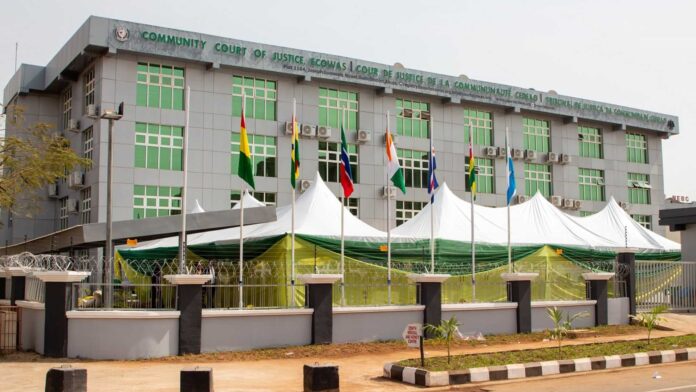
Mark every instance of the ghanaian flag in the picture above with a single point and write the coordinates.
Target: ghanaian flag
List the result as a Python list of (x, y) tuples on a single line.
[(245, 169)]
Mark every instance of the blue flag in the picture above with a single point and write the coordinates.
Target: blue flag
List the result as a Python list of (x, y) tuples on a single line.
[(432, 180), (512, 188)]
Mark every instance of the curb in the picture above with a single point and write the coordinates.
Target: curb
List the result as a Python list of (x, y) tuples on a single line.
[(426, 378)]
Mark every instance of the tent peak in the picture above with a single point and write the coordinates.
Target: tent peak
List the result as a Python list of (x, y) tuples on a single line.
[(197, 208)]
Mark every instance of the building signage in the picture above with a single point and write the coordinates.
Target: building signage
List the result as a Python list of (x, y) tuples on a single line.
[(680, 199)]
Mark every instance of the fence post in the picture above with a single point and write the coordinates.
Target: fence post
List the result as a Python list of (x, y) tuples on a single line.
[(596, 288), (3, 283), (58, 298), (189, 303), (319, 296), (519, 289), (429, 294), (626, 259), (18, 281)]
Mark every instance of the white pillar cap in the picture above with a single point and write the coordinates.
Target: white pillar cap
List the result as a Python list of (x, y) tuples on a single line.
[(518, 276), (429, 278), (319, 278), (184, 279), (17, 271), (597, 275), (61, 276)]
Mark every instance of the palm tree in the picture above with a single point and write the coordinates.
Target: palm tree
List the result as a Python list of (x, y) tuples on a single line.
[(447, 331), (562, 323), (651, 319)]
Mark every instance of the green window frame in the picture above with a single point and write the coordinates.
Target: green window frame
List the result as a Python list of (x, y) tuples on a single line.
[(643, 220), (537, 177), (536, 134), (260, 97), (405, 210), (636, 148), (86, 205), (481, 123), (412, 118), (150, 201), (89, 85), (591, 183), (263, 154), (590, 140), (268, 198), (353, 205), (159, 146), (334, 103), (485, 175), (329, 157), (586, 213), (66, 105), (160, 86), (63, 214), (414, 163), (88, 146), (638, 188)]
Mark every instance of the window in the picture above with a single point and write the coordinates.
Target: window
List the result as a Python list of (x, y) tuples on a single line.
[(643, 220), (151, 201), (88, 145), (353, 205), (89, 83), (260, 95), (263, 154), (482, 125), (158, 146), (160, 86), (590, 142), (415, 166), (485, 177), (63, 217), (268, 198), (636, 148), (412, 118), (66, 103), (586, 213), (638, 188), (330, 161), (406, 210), (536, 134), (591, 184), (537, 177), (86, 206), (332, 105)]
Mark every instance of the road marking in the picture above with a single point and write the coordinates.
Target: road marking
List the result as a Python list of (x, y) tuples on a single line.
[(673, 388)]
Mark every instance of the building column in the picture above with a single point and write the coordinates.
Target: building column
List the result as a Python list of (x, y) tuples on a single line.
[(429, 294), (18, 277), (319, 297), (58, 297), (519, 289), (597, 288), (189, 304), (626, 260), (3, 283)]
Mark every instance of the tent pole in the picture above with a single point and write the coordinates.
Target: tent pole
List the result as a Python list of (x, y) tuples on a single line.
[(389, 266)]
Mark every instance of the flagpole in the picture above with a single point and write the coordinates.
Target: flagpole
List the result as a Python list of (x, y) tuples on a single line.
[(241, 227), (343, 197), (292, 228), (507, 171), (473, 201), (182, 236), (389, 291), (432, 197)]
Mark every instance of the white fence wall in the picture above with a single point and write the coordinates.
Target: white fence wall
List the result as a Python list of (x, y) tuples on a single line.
[(488, 318), (367, 324), (541, 320)]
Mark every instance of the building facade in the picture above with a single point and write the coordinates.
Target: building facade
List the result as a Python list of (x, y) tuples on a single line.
[(573, 148)]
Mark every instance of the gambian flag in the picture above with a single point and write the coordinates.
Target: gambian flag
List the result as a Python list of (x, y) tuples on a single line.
[(472, 165), (245, 168), (394, 171), (294, 154), (345, 172)]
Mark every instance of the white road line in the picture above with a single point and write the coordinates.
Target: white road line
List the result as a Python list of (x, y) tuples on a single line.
[(673, 388)]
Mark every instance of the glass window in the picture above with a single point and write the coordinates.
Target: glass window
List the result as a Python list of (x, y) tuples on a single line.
[(638, 188), (636, 148), (590, 142), (353, 205), (66, 104), (268, 198), (586, 213), (537, 177), (591, 182), (536, 134), (158, 146), (263, 154), (160, 86), (415, 166), (482, 125), (89, 85), (86, 206), (330, 161), (412, 118), (63, 214), (150, 201), (485, 178), (88, 145), (643, 220), (406, 210), (260, 96), (336, 103)]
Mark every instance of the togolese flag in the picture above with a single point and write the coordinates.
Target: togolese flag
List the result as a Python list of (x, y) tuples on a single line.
[(345, 171), (294, 154), (245, 168), (394, 172)]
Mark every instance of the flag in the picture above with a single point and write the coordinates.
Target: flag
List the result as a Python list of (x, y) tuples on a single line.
[(294, 154), (245, 168), (345, 173), (512, 187), (432, 165), (472, 165), (394, 172)]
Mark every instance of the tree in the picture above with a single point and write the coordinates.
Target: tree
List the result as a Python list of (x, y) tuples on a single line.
[(447, 331), (33, 157), (562, 323), (651, 319)]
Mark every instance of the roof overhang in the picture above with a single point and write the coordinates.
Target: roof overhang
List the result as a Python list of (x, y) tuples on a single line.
[(678, 218)]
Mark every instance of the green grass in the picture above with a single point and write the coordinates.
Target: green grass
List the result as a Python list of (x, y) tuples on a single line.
[(549, 354)]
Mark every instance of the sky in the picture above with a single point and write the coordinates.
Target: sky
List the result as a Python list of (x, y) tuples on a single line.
[(636, 53)]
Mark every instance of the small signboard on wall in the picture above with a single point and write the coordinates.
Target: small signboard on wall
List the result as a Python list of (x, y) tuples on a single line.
[(412, 334)]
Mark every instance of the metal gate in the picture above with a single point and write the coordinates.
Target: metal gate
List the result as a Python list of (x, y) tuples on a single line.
[(10, 328), (671, 283)]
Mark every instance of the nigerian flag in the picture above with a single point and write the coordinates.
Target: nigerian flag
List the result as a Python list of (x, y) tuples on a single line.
[(394, 172), (245, 168)]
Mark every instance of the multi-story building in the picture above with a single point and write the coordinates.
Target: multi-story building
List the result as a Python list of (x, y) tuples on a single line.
[(574, 148)]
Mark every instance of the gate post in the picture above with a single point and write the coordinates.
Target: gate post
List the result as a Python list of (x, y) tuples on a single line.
[(2, 283), (626, 260), (18, 276), (190, 305), (519, 289), (597, 289), (429, 294), (319, 297)]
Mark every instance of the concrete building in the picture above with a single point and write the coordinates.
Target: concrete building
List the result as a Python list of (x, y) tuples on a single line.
[(569, 147)]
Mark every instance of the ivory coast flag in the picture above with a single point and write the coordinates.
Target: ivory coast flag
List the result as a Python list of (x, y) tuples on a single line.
[(472, 165), (245, 168), (394, 172), (294, 154)]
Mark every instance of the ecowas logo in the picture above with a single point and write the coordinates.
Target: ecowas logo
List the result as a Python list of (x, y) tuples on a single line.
[(121, 33)]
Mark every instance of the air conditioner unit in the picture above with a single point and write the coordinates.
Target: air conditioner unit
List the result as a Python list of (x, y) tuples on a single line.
[(288, 127), (388, 192), (577, 204), (73, 125), (564, 159), (521, 198), (490, 151), (517, 153), (92, 111), (76, 180), (530, 155), (308, 130), (72, 205), (502, 152), (323, 132), (304, 185), (53, 190), (600, 181), (623, 205), (568, 203), (364, 136), (556, 200), (552, 157)]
